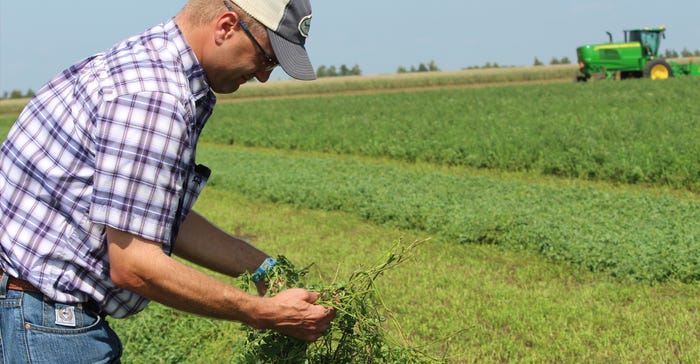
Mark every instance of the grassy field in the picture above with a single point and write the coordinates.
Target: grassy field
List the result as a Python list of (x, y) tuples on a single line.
[(470, 303), (525, 263), (624, 132), (624, 233)]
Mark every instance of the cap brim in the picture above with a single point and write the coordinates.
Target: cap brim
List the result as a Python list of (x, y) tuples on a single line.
[(292, 57)]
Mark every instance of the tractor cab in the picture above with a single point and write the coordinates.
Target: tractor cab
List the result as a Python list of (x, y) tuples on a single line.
[(650, 38)]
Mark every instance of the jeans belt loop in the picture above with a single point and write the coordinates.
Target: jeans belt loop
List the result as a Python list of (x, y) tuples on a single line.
[(3, 284)]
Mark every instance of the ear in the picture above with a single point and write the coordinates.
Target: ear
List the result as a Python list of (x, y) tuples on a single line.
[(225, 26)]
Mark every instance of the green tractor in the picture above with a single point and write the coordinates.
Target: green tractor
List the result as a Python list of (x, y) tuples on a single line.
[(636, 57)]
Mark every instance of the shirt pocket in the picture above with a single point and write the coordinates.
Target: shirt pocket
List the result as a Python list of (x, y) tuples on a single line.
[(195, 182)]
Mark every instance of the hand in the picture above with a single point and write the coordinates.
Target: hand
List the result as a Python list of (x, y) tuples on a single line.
[(261, 286), (294, 314)]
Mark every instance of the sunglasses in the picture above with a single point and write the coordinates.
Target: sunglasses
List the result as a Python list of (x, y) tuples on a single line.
[(270, 62)]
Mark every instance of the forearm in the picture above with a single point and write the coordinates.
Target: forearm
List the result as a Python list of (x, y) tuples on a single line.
[(202, 243), (141, 267)]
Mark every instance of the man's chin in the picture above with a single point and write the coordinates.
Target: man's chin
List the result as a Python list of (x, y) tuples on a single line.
[(226, 90)]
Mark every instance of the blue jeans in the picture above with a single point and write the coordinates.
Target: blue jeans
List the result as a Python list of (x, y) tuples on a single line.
[(36, 330)]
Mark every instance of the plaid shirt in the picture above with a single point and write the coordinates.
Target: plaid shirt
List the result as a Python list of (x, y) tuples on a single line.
[(110, 141)]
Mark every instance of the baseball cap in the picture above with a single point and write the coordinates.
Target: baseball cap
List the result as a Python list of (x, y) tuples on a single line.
[(288, 23)]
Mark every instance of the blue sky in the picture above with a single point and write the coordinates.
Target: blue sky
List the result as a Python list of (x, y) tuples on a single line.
[(39, 38)]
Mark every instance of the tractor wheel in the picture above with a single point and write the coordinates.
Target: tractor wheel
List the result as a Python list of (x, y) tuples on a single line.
[(658, 69)]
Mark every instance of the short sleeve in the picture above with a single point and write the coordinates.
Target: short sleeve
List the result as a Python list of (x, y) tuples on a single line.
[(140, 163)]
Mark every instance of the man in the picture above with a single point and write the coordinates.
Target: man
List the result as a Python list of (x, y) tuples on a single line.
[(98, 176)]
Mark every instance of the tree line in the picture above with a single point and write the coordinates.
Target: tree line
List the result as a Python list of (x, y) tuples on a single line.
[(685, 53), (342, 70), (17, 94)]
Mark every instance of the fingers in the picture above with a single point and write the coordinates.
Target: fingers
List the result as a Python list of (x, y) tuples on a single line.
[(261, 286), (323, 323), (317, 322), (304, 320)]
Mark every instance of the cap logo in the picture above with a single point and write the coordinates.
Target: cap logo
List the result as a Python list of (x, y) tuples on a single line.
[(305, 26)]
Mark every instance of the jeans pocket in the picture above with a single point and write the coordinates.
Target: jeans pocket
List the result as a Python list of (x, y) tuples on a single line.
[(67, 333)]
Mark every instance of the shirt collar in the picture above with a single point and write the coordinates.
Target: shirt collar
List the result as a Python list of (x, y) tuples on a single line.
[(193, 69)]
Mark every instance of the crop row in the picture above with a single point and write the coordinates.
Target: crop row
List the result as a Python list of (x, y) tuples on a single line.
[(631, 235), (628, 132)]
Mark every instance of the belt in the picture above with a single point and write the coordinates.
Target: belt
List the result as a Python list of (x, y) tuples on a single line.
[(19, 284)]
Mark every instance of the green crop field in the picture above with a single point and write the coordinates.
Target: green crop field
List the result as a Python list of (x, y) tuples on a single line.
[(619, 132), (563, 219)]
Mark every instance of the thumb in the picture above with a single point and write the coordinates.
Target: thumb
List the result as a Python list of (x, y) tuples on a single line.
[(311, 297), (300, 294)]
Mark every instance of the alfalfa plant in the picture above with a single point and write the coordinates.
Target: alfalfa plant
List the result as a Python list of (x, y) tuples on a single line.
[(358, 333)]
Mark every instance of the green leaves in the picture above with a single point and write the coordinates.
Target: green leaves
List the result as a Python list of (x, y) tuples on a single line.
[(357, 334)]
